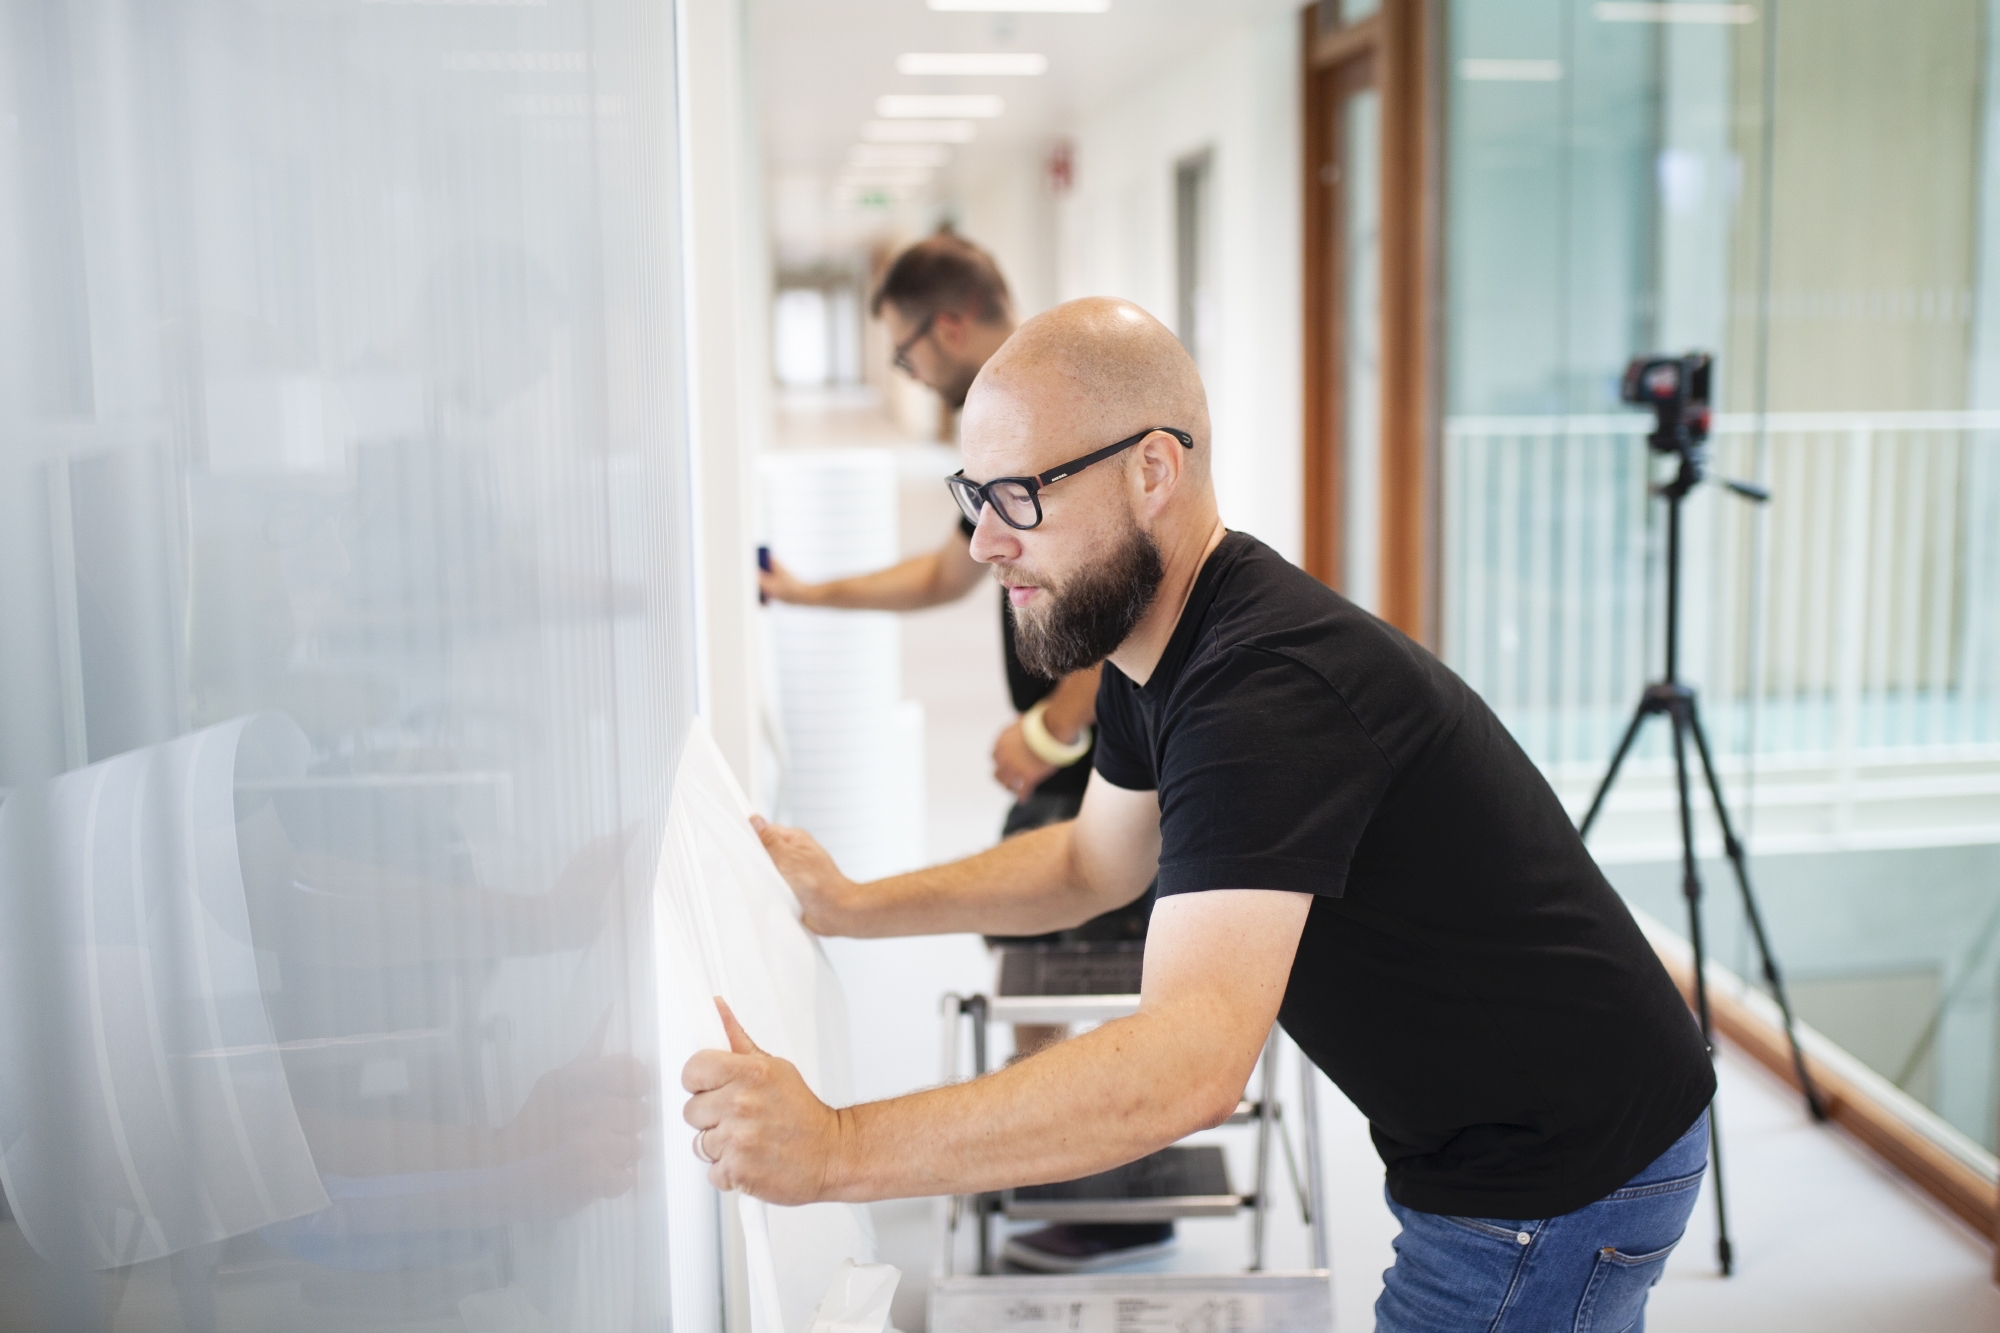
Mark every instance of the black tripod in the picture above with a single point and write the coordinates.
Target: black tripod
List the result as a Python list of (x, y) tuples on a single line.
[(1677, 390)]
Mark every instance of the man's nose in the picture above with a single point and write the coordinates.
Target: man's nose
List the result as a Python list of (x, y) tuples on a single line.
[(993, 542)]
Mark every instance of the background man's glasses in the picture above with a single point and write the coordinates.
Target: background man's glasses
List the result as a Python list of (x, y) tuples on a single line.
[(901, 360), (1018, 500)]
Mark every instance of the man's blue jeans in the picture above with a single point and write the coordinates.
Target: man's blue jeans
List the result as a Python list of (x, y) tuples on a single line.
[(1584, 1272)]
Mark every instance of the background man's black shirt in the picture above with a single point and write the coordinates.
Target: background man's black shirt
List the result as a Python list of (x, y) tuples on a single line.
[(1466, 974)]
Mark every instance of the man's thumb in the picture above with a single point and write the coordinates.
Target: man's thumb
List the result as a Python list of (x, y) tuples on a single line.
[(739, 1040)]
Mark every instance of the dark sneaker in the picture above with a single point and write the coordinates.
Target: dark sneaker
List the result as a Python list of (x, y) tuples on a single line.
[(1086, 1247)]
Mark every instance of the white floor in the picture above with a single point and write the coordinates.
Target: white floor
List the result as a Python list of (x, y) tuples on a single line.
[(1826, 1238)]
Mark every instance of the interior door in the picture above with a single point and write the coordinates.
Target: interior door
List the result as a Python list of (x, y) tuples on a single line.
[(1369, 410), (1349, 503)]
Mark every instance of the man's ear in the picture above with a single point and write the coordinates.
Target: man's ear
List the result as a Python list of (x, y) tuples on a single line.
[(1161, 466), (949, 327)]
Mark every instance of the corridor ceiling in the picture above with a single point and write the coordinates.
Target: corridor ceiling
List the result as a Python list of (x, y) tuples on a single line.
[(820, 66)]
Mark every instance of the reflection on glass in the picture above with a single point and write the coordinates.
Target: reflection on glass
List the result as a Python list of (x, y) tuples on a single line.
[(1361, 345), (1784, 195), (341, 567)]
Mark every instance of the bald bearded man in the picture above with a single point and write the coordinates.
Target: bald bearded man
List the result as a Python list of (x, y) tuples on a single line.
[(1347, 841)]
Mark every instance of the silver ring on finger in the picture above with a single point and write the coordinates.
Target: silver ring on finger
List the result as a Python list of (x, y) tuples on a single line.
[(700, 1152)]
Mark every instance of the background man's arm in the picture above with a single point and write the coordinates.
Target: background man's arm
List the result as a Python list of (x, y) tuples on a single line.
[(931, 579), (1216, 968), (1048, 879), (1070, 707)]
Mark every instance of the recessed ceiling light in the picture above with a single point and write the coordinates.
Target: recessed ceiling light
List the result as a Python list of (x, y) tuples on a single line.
[(926, 106), (899, 155), (974, 63), (1021, 6), (918, 131), (1612, 11)]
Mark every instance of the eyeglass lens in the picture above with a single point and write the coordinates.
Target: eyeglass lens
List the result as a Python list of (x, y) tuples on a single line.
[(1015, 502)]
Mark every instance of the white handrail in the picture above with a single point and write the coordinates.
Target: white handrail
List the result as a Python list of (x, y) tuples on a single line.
[(1880, 634)]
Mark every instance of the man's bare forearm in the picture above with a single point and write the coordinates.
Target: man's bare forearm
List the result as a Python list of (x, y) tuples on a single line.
[(1072, 705), (941, 575), (910, 585), (1108, 1097), (1217, 965), (1027, 885)]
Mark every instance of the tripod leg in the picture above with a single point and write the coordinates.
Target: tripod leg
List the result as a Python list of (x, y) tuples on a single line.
[(1740, 861), (1611, 773), (1683, 719), (1690, 878), (1724, 1255)]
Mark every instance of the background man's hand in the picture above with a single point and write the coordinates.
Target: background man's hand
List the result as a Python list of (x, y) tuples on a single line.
[(781, 585), (823, 892), (767, 1133), (1015, 766)]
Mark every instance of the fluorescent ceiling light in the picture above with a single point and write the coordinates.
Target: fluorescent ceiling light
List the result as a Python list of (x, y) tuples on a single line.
[(899, 155), (973, 63), (1621, 11), (1021, 6), (928, 106), (918, 131), (1510, 71)]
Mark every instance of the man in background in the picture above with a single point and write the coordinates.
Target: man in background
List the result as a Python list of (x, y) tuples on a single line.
[(947, 310)]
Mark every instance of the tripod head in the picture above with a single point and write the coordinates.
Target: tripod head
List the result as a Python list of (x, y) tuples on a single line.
[(1676, 388)]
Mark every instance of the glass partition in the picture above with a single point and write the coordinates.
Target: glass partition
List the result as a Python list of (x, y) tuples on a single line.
[(344, 620), (1807, 192)]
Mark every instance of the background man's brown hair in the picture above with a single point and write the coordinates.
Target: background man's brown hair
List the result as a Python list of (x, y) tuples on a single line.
[(944, 272)]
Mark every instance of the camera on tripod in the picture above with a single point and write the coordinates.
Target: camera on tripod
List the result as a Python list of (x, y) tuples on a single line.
[(1676, 388)]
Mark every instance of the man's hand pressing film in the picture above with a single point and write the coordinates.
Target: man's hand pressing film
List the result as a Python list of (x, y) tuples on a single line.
[(757, 1123), (823, 892)]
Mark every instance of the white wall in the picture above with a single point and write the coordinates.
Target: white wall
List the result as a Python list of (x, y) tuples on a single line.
[(729, 371), (1007, 207), (1239, 98)]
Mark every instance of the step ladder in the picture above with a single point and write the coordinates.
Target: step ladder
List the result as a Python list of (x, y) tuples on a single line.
[(1182, 1181)]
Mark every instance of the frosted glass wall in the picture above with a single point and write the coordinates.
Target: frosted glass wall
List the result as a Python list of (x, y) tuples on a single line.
[(343, 660), (1812, 193)]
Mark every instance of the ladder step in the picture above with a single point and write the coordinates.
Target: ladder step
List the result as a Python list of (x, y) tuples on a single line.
[(1182, 1181)]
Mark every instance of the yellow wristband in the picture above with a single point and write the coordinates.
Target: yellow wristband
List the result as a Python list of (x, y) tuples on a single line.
[(1044, 744)]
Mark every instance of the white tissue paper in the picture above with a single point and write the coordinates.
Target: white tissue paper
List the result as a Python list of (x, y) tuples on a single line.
[(729, 926), (858, 1300)]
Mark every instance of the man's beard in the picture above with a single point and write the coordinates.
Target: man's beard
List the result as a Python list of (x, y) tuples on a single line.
[(1089, 615), (954, 390)]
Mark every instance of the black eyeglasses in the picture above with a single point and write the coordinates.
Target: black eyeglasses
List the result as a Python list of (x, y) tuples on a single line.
[(1018, 500), (901, 360)]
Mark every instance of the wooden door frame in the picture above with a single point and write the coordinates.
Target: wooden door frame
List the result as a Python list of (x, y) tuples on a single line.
[(1401, 39)]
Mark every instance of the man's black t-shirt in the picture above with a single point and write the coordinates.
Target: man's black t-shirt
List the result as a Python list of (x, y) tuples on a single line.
[(1466, 974), (1026, 689)]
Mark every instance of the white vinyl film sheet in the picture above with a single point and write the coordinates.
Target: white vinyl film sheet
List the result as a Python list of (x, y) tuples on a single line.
[(729, 926)]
